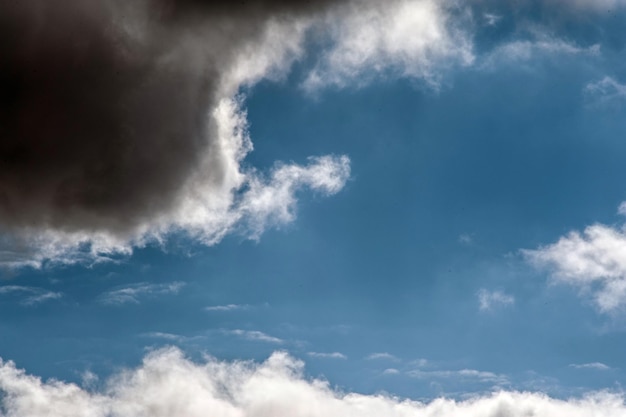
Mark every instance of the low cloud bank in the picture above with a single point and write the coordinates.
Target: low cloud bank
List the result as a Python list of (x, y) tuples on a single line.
[(168, 384)]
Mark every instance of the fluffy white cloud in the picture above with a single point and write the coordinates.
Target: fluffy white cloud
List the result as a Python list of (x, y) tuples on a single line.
[(406, 38), (488, 300), (593, 261), (167, 384)]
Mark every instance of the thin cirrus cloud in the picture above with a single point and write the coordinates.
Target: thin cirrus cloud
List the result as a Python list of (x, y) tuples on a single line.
[(331, 355), (597, 366), (228, 307), (134, 294), (605, 92), (167, 382), (593, 261), (381, 356), (30, 296), (255, 336), (491, 300)]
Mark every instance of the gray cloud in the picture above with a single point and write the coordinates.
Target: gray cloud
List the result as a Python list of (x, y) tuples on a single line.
[(118, 120)]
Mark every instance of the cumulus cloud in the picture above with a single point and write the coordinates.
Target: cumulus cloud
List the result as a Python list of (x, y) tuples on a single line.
[(404, 38), (136, 292), (30, 296), (168, 384), (121, 124), (489, 300), (593, 261)]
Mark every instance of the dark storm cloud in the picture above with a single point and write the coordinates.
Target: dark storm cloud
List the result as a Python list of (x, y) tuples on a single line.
[(104, 108)]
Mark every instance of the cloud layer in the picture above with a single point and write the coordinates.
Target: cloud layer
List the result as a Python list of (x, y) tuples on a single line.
[(168, 384)]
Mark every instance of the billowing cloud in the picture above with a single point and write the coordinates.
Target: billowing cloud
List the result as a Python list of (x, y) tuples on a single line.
[(168, 384), (593, 261), (405, 38), (120, 124)]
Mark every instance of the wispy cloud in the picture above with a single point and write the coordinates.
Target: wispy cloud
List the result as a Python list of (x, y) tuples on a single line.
[(228, 307), (254, 335), (135, 292), (333, 355), (30, 295), (489, 300), (605, 91), (598, 366), (473, 374), (381, 355)]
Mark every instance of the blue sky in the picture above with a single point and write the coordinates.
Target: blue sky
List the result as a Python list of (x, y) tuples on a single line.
[(431, 213)]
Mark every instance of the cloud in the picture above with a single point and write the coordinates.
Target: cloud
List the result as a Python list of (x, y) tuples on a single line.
[(489, 300), (539, 44), (333, 355), (605, 91), (404, 38), (598, 366), (168, 384), (135, 293), (31, 295), (255, 335), (466, 374), (228, 307), (122, 124), (593, 261), (381, 355)]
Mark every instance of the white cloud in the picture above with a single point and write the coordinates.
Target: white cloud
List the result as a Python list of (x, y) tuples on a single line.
[(333, 355), (30, 295), (167, 384), (539, 45), (134, 293), (255, 335), (406, 38), (228, 307), (598, 366), (467, 374), (605, 91), (381, 355), (489, 300), (391, 371), (593, 261)]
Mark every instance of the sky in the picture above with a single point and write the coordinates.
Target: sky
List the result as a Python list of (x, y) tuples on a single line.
[(338, 208)]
